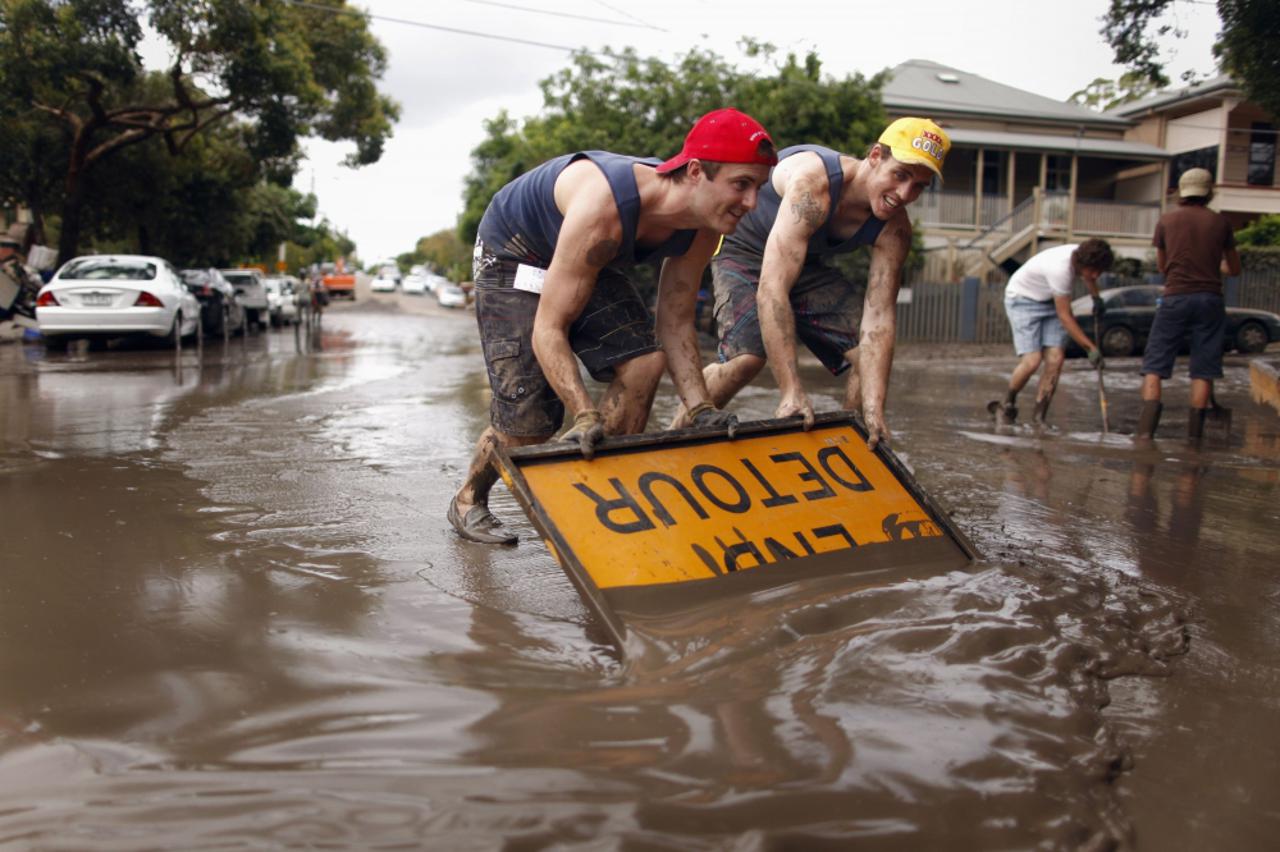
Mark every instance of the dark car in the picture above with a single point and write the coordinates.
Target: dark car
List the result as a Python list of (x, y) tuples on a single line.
[(221, 310), (1131, 310)]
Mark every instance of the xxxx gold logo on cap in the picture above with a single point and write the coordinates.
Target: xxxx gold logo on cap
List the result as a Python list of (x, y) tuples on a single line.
[(917, 141)]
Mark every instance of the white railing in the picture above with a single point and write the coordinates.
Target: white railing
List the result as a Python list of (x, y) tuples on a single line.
[(943, 209), (1116, 218)]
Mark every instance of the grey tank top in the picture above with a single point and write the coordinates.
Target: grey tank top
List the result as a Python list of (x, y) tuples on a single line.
[(522, 222), (753, 230)]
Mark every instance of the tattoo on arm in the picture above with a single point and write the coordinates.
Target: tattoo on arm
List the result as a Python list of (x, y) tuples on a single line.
[(807, 210), (602, 252)]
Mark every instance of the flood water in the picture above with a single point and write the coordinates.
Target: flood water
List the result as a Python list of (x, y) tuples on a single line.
[(232, 615)]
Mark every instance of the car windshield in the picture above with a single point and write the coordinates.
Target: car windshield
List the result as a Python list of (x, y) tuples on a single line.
[(239, 277), (109, 269), (194, 277)]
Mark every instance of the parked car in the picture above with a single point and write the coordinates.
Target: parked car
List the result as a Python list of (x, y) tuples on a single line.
[(282, 302), (1130, 312), (220, 307), (248, 283), (434, 281), (103, 296), (450, 295), (383, 284), (414, 284)]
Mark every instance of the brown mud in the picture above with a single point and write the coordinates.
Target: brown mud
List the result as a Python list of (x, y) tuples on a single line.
[(232, 616)]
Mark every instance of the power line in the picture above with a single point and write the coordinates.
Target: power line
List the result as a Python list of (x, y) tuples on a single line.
[(341, 10), (627, 14), (611, 21)]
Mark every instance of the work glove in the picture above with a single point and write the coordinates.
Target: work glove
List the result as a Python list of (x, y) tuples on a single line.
[(1099, 308), (587, 431), (704, 415), (1095, 358)]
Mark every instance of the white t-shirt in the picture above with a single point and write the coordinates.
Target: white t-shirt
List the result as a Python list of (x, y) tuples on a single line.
[(1044, 276)]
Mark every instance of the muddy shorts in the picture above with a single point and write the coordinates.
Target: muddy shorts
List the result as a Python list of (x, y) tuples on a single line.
[(613, 328), (1035, 325), (827, 308), (1202, 316)]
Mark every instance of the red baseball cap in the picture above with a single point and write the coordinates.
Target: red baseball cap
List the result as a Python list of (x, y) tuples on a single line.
[(724, 136)]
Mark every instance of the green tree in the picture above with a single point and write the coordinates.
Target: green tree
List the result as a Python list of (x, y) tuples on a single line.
[(445, 253), (283, 70), (621, 102), (1103, 94), (1263, 231), (1248, 46)]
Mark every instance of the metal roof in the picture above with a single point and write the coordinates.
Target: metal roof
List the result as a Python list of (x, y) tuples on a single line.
[(919, 86), (1056, 144), (1215, 86)]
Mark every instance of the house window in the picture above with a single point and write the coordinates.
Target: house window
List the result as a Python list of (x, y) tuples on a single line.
[(1057, 174), (993, 173), (1204, 158), (1262, 155)]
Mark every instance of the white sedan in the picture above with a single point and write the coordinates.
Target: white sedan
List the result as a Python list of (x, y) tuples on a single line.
[(414, 284), (103, 296), (450, 295), (383, 284)]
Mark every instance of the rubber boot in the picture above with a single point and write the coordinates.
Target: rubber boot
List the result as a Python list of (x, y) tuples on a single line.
[(1148, 419), (1041, 413), (1195, 423), (1005, 411)]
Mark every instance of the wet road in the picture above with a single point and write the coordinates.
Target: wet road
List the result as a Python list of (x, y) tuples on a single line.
[(231, 616)]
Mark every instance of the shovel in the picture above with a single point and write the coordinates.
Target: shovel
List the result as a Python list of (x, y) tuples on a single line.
[(1102, 389)]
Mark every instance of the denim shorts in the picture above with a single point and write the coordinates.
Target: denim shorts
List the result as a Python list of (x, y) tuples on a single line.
[(1035, 325), (1203, 316), (614, 327), (827, 308)]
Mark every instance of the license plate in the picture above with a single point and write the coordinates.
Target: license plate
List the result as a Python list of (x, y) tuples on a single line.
[(96, 300)]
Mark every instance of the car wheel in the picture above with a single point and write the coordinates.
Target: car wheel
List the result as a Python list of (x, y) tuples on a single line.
[(225, 325), (1117, 342), (175, 333), (1251, 337)]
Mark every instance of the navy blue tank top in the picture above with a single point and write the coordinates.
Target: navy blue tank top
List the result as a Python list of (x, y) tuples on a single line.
[(522, 222), (753, 230)]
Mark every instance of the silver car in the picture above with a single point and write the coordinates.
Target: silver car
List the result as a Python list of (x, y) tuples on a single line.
[(102, 296), (248, 283)]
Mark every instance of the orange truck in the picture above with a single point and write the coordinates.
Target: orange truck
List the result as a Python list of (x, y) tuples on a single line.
[(340, 283)]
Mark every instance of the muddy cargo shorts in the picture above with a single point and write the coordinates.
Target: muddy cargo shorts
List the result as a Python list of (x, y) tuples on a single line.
[(613, 328), (1201, 315), (1035, 324), (827, 308)]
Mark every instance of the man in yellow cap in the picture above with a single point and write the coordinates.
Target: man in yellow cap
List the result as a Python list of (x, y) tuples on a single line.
[(773, 284)]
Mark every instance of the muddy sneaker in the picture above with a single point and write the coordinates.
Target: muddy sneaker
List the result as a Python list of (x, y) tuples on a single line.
[(1005, 413), (479, 525)]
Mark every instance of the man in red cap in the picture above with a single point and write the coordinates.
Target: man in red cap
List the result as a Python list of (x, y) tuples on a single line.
[(773, 283), (553, 261)]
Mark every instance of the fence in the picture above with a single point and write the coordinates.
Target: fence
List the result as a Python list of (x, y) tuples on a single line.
[(973, 312)]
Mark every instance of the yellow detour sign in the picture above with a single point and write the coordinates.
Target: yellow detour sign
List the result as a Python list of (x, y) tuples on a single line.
[(694, 509)]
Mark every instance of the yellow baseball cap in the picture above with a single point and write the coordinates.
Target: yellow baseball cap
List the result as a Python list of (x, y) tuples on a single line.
[(917, 141)]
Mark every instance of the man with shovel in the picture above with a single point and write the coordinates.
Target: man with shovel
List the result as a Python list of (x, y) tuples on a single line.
[(1037, 301)]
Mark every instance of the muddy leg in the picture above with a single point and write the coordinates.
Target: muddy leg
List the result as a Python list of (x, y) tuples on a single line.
[(482, 473), (723, 383), (1054, 357), (853, 384), (626, 402)]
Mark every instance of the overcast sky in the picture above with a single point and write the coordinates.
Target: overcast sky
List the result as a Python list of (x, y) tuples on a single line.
[(448, 82)]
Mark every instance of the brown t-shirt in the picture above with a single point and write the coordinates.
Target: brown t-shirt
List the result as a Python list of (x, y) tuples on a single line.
[(1194, 239)]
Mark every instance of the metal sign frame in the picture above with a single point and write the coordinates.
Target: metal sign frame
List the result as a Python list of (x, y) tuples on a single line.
[(509, 464)]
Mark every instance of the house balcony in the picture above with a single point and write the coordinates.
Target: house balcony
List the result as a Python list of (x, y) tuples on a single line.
[(952, 211)]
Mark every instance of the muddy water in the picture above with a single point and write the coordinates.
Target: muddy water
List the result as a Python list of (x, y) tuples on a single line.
[(231, 616)]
